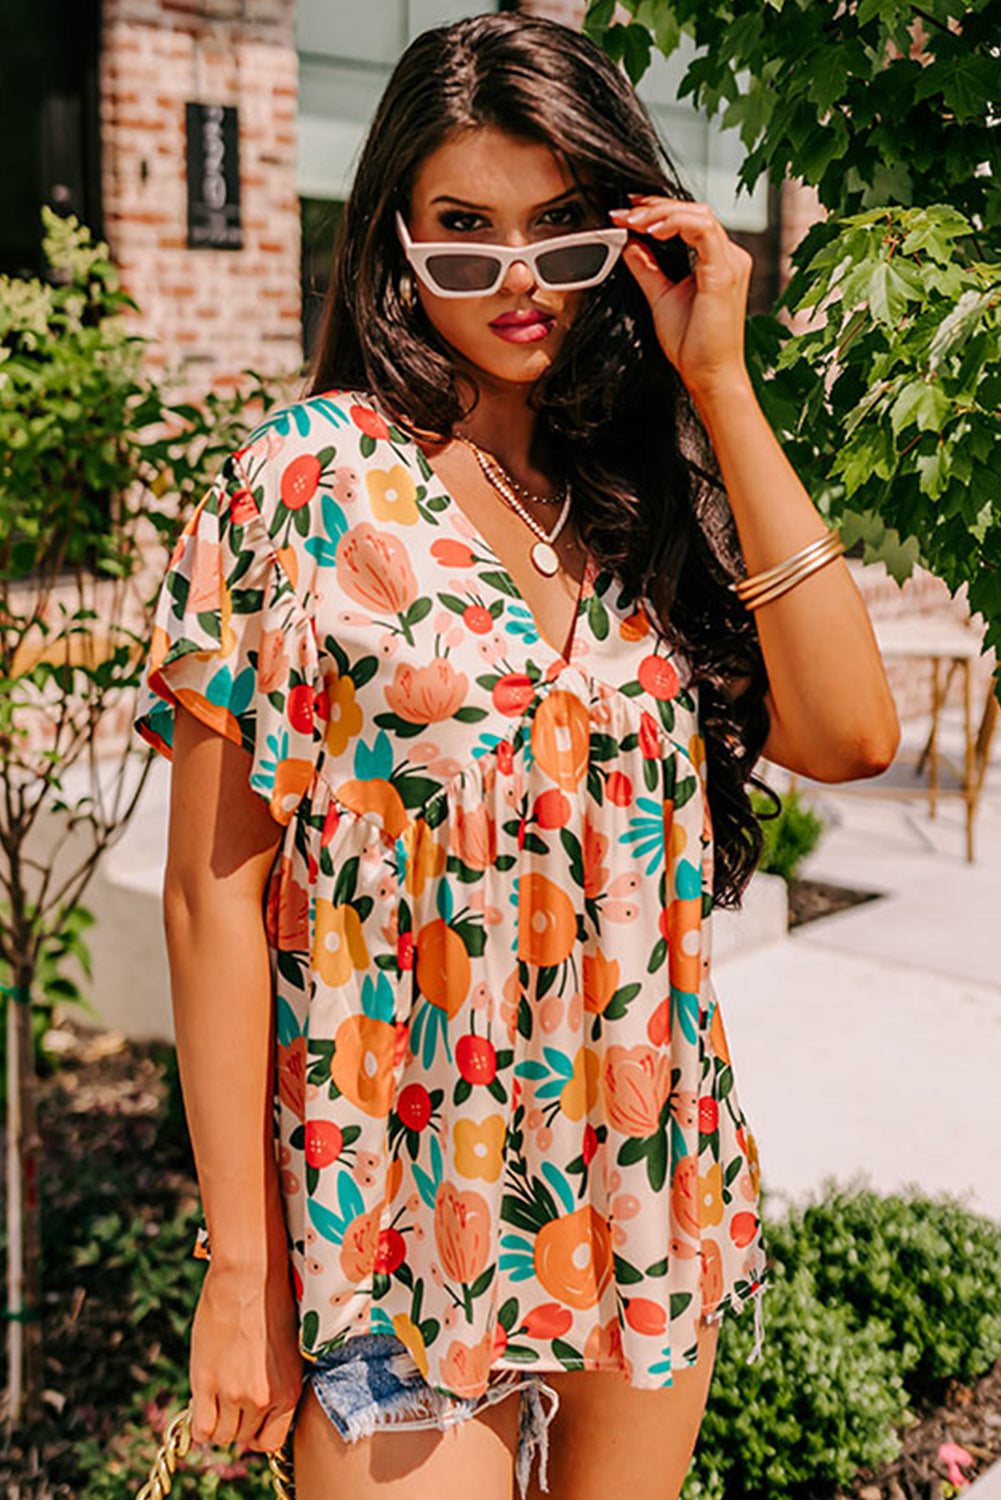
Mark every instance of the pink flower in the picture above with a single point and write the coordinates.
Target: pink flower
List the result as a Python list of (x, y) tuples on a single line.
[(425, 695), (373, 568), (635, 1083)]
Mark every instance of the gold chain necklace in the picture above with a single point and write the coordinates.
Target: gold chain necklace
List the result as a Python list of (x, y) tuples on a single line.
[(543, 554)]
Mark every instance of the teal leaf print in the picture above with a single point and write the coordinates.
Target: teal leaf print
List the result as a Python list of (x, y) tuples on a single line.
[(287, 1028), (375, 763), (277, 746), (335, 522), (521, 624), (558, 1061), (377, 998), (322, 551), (349, 1198), (559, 1184), (443, 900), (236, 694), (327, 1223), (647, 833), (685, 1006), (687, 880)]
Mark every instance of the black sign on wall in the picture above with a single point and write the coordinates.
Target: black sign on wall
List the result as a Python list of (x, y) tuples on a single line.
[(213, 165)]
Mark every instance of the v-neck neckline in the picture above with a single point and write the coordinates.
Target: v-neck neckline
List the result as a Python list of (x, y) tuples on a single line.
[(452, 508)]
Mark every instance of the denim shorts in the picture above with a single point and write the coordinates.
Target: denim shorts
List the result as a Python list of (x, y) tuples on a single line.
[(371, 1382)]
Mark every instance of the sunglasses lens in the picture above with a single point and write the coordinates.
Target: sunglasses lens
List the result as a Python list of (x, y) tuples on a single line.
[(573, 263), (456, 272)]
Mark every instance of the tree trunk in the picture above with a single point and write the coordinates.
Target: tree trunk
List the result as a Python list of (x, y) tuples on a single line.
[(24, 1327)]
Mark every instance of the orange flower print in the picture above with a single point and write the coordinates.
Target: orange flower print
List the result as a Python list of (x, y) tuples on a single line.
[(368, 421), (206, 584), (426, 855), (603, 1346), (635, 1083), (474, 837), (272, 661), (580, 1092), (291, 1060), (461, 1232), (595, 849), (362, 1064), (465, 1367), (361, 1239), (573, 1257), (717, 1035), (601, 980), (547, 922), (287, 912), (685, 1196), (346, 718), (711, 1196), (425, 695), (392, 493), (373, 569), (753, 1165), (684, 946), (375, 798), (479, 1147), (635, 626), (443, 969), (561, 736), (408, 1333), (338, 943), (712, 1275)]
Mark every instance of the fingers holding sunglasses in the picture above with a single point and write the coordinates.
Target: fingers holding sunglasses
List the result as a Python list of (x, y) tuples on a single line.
[(698, 320)]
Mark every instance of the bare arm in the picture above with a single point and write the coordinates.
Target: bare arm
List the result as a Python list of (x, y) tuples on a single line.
[(222, 844), (833, 715)]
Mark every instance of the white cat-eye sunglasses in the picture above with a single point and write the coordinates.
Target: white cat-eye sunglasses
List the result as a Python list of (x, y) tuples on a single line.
[(565, 262)]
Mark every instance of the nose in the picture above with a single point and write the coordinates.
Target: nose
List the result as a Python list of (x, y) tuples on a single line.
[(519, 277)]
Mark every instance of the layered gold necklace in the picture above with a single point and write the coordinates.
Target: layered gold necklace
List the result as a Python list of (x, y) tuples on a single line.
[(543, 554)]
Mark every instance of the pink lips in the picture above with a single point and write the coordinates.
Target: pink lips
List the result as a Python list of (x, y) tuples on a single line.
[(523, 327)]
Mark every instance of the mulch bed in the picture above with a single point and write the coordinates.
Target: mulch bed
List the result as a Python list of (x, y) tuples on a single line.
[(969, 1416), (101, 1120), (810, 899)]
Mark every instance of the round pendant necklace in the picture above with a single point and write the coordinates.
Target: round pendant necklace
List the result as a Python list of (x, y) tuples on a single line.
[(543, 554)]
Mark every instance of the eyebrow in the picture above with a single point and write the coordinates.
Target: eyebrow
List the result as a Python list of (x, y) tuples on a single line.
[(485, 207)]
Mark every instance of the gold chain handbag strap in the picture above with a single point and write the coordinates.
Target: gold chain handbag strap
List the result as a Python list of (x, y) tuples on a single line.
[(177, 1441)]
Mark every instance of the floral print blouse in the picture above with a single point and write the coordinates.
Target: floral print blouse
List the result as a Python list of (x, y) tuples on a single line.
[(504, 1107)]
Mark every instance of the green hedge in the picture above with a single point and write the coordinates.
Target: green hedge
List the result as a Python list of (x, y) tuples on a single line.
[(877, 1302)]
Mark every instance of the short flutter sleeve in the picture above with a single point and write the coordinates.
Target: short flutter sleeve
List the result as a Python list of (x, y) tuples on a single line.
[(233, 643)]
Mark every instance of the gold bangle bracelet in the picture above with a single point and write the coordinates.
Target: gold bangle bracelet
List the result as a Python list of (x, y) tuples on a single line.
[(745, 586), (819, 561), (793, 570)]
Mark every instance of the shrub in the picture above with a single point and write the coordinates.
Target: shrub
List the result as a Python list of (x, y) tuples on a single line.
[(823, 1400), (928, 1269), (790, 834)]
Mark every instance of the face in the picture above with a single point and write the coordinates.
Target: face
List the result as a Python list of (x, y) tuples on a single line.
[(485, 186)]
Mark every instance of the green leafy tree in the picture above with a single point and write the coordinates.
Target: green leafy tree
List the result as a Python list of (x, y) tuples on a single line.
[(87, 442), (889, 407)]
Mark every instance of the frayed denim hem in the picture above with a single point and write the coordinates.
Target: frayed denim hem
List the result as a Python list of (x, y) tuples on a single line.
[(372, 1385)]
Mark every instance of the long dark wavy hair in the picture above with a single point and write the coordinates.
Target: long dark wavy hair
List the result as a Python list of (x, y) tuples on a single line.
[(648, 499)]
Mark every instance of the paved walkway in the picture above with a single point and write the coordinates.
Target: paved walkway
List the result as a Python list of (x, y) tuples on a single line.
[(867, 1044)]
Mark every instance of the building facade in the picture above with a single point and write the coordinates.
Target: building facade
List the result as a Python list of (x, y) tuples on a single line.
[(212, 144)]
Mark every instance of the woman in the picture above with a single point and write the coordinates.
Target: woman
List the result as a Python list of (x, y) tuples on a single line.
[(453, 623)]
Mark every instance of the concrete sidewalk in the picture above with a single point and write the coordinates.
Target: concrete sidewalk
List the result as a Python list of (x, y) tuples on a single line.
[(868, 1043)]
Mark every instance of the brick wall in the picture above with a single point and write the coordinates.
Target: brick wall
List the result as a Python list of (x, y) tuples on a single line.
[(216, 310)]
